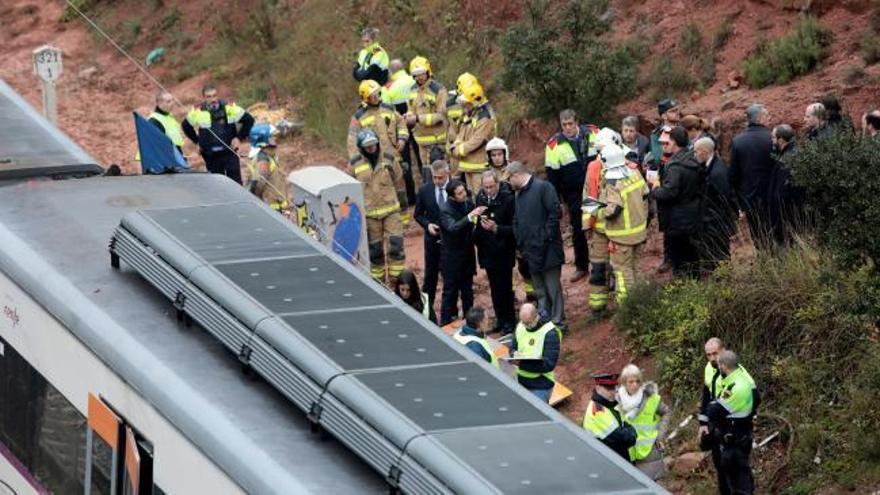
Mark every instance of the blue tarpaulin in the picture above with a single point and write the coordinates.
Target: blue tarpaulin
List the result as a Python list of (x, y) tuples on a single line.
[(158, 154)]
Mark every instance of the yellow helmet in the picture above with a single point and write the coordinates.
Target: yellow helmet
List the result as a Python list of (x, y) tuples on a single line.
[(368, 87), (419, 65), (473, 94), (465, 80)]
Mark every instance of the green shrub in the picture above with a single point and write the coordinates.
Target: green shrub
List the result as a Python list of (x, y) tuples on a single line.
[(723, 33), (841, 184), (556, 59), (869, 45), (788, 57), (804, 327), (670, 76)]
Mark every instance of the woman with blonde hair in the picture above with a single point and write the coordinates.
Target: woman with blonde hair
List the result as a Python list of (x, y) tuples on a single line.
[(640, 405)]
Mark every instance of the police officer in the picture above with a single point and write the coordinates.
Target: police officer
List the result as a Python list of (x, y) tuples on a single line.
[(265, 178), (625, 213), (471, 335), (604, 421), (426, 116), (539, 340), (565, 159), (730, 424), (477, 128), (384, 196), (217, 127), (372, 60)]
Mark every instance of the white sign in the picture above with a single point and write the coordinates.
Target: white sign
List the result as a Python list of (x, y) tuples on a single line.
[(47, 63)]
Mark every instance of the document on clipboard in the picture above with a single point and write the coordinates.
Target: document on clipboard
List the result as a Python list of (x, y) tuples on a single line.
[(517, 356)]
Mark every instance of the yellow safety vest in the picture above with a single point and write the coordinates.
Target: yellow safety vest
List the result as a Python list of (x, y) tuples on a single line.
[(646, 424), (559, 152), (171, 126), (201, 119), (397, 90), (532, 344), (467, 339), (373, 55), (736, 394), (600, 421)]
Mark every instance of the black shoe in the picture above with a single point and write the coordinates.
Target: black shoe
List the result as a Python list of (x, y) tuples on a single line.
[(578, 276)]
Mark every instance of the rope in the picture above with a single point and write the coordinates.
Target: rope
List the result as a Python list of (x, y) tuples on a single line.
[(159, 85)]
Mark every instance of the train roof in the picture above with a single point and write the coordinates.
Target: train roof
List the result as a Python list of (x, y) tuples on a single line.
[(53, 244)]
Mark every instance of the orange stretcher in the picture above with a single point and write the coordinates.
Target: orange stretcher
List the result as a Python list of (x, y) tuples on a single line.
[(560, 391)]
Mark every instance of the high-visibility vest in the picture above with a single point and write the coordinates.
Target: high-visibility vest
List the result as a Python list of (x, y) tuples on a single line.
[(467, 339), (200, 118), (646, 424), (396, 90), (736, 394), (712, 379), (600, 421), (532, 344), (630, 226), (171, 126), (559, 152), (373, 55)]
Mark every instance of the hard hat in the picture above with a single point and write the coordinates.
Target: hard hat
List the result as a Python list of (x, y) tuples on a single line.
[(367, 88), (614, 161), (260, 134), (607, 136), (464, 80), (473, 94), (496, 143), (367, 137), (419, 65)]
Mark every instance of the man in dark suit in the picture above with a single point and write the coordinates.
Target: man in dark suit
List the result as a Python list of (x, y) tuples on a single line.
[(719, 213), (427, 213), (751, 167)]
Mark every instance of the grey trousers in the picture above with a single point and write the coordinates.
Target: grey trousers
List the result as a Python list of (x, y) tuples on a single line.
[(548, 289)]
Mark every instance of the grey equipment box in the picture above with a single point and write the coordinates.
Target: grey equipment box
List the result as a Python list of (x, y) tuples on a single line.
[(329, 206)]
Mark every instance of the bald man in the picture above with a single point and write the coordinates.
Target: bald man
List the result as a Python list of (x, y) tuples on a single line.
[(539, 341)]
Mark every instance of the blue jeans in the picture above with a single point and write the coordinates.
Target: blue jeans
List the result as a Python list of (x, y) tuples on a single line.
[(542, 393)]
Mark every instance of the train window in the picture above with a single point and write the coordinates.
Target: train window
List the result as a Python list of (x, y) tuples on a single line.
[(130, 459), (40, 430)]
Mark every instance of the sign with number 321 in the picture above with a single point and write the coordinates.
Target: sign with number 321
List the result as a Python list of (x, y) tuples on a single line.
[(47, 63)]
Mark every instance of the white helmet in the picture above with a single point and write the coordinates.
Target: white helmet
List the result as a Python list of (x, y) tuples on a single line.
[(614, 161), (607, 136), (496, 143)]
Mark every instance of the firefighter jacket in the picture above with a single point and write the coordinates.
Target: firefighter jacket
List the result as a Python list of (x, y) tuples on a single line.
[(382, 119), (384, 190), (428, 102), (268, 182), (470, 142), (626, 209)]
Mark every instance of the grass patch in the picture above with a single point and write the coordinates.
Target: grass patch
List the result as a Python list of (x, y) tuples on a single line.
[(793, 55), (799, 323)]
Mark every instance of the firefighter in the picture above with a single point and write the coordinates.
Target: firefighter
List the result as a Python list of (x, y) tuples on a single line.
[(426, 117), (625, 213), (384, 197), (477, 128), (388, 125), (598, 242), (455, 114), (265, 178)]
